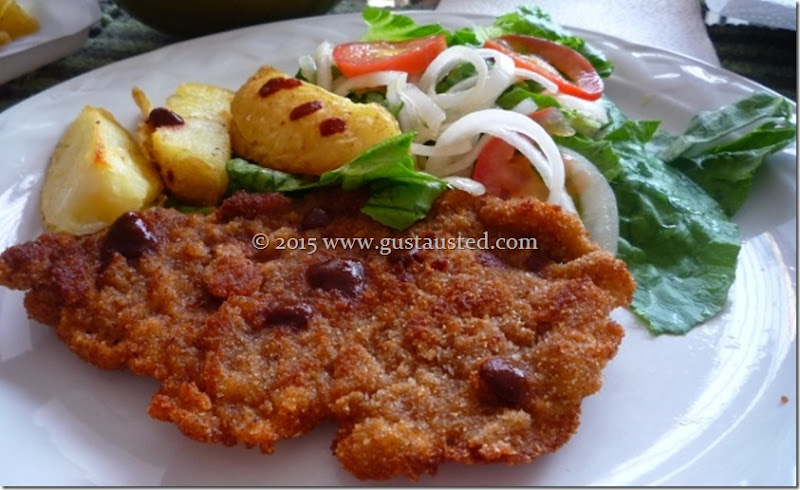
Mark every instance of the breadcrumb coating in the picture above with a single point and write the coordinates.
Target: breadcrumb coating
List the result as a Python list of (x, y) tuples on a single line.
[(420, 356)]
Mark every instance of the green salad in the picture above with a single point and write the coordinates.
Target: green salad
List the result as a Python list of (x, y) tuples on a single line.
[(518, 108)]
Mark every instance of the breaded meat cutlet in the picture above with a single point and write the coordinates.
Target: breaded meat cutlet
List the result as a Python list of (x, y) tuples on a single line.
[(420, 356)]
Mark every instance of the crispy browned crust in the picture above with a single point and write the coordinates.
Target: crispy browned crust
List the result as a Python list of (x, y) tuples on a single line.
[(396, 366)]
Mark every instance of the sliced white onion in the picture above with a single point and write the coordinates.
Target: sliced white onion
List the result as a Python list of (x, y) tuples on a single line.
[(531, 151), (308, 68), (464, 84), (393, 91), (455, 149), (323, 57), (475, 93), (593, 110), (524, 74), (376, 79), (501, 73), (525, 106), (596, 203), (466, 184), (419, 113), (446, 62), (512, 127), (446, 165)]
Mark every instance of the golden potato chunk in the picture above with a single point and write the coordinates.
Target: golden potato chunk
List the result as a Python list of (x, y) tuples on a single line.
[(191, 151), (97, 172), (15, 21), (283, 123)]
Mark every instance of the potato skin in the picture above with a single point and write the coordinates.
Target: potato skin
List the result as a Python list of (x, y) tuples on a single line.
[(263, 132)]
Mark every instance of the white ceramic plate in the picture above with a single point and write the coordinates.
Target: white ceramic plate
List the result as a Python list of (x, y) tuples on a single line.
[(701, 409), (63, 29)]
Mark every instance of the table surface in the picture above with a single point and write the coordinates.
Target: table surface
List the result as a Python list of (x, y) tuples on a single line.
[(765, 55)]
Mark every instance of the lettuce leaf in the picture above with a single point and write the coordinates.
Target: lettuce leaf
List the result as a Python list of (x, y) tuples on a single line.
[(676, 240), (721, 162), (383, 25), (535, 22), (516, 93), (243, 175), (399, 194), (708, 127), (675, 232), (601, 153)]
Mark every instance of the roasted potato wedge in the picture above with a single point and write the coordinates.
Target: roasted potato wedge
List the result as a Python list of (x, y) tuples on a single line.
[(15, 21), (303, 128), (97, 172), (190, 155)]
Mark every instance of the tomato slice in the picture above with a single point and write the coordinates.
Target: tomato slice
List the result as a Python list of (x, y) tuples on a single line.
[(562, 65), (412, 57), (506, 173)]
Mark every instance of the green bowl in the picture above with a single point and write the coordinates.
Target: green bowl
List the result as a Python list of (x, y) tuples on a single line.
[(188, 18)]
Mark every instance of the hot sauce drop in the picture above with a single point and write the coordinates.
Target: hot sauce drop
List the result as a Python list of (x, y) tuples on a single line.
[(331, 126), (275, 84)]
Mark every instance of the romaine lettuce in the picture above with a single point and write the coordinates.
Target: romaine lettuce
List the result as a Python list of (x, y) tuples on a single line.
[(399, 194), (724, 163), (675, 233), (677, 242), (383, 25)]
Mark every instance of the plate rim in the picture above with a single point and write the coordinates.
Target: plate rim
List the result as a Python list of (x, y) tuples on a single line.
[(20, 106)]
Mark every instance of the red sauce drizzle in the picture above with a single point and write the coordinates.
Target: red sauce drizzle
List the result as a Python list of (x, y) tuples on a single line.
[(305, 109), (275, 84), (161, 116), (332, 126)]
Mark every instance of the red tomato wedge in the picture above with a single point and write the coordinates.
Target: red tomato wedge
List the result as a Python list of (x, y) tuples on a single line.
[(412, 57), (560, 64), (506, 173)]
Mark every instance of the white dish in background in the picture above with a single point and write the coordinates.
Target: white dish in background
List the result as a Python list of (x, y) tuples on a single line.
[(63, 29), (701, 409)]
